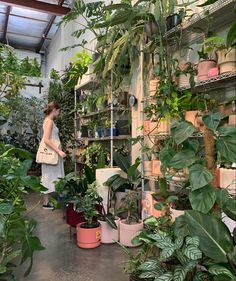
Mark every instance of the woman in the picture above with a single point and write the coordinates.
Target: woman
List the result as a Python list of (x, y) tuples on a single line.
[(50, 173)]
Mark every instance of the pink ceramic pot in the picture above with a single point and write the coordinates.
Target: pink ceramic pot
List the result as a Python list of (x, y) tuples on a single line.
[(213, 72), (228, 180), (203, 68), (128, 232), (176, 213), (109, 235), (88, 238)]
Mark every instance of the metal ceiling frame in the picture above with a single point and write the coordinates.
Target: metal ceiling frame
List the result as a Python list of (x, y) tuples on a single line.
[(6, 23), (39, 6)]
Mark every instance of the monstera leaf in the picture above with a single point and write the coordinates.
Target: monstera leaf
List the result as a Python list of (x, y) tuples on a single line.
[(182, 131), (215, 239)]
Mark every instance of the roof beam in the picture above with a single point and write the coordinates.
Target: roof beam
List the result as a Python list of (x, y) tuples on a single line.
[(47, 29), (6, 23), (39, 6)]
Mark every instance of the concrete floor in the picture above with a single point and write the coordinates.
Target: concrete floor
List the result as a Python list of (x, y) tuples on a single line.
[(62, 260)]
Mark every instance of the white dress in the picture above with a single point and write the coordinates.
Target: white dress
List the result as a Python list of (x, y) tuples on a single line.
[(50, 173)]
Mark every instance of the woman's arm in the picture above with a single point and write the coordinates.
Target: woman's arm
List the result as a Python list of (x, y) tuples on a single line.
[(47, 135)]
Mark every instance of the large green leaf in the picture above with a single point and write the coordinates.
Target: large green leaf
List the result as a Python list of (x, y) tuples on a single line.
[(181, 227), (203, 200), (230, 208), (181, 131), (199, 176), (231, 41), (215, 239), (121, 161), (226, 143), (212, 121), (192, 252), (166, 253), (168, 276), (182, 159)]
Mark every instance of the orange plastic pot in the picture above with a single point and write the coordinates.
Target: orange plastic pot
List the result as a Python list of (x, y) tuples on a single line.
[(89, 238)]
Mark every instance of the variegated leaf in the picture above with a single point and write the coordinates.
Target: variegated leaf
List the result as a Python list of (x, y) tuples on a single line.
[(179, 273), (193, 252), (149, 265), (220, 270), (192, 240), (166, 253), (165, 277), (179, 242), (162, 240)]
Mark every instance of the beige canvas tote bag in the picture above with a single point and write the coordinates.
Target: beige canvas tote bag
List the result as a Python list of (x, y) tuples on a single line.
[(46, 155)]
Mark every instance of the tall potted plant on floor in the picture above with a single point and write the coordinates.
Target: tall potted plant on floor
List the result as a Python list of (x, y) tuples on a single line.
[(89, 232)]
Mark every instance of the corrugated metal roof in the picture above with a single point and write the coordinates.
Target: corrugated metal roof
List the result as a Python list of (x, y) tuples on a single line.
[(25, 28)]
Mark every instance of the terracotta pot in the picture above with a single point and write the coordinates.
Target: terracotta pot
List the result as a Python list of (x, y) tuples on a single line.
[(109, 235), (88, 238), (163, 127), (227, 60), (128, 232), (153, 84), (194, 117), (203, 68), (146, 126), (156, 167), (176, 213), (232, 120), (147, 165), (183, 80), (228, 180)]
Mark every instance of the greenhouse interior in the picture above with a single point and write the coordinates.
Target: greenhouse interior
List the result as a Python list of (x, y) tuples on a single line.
[(118, 140)]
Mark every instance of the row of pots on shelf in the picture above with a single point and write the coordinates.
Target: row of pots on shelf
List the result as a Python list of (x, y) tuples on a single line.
[(101, 231), (206, 69)]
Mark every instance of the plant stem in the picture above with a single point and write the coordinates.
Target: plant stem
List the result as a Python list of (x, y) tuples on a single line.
[(209, 143), (231, 264)]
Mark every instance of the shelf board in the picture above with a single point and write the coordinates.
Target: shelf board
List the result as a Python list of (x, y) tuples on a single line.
[(163, 137), (104, 111), (122, 137), (153, 178), (217, 82), (222, 13)]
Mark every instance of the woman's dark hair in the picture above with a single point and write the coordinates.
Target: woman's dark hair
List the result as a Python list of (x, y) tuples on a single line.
[(52, 105)]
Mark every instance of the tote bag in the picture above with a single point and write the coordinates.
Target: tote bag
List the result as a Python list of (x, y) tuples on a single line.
[(46, 155)]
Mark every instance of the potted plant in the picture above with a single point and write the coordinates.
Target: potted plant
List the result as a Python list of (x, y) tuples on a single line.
[(206, 61), (89, 232), (226, 57), (108, 128), (130, 226), (228, 178)]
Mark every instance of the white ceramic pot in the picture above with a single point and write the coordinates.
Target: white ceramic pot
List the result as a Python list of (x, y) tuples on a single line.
[(109, 235), (183, 80), (231, 224), (227, 60), (128, 232), (228, 180), (176, 213)]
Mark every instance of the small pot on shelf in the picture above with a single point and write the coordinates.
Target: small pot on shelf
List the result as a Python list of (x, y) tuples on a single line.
[(153, 85), (203, 68), (108, 132), (227, 60), (161, 127), (147, 165), (194, 117), (228, 180), (156, 167)]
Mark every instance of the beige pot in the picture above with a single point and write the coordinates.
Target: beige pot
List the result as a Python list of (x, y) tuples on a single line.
[(147, 165), (203, 68), (128, 232), (153, 84), (183, 80), (228, 180), (232, 120), (109, 235), (156, 167), (227, 60), (175, 213), (194, 117)]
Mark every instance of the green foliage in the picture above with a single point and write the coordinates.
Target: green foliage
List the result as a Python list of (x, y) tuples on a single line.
[(54, 74), (16, 232), (30, 67)]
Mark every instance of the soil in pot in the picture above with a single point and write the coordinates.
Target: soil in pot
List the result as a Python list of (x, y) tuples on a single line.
[(128, 232), (89, 236)]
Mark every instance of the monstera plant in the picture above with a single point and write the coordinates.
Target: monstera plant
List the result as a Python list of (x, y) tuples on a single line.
[(17, 237)]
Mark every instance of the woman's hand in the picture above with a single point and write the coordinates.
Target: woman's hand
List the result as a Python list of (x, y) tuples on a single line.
[(61, 154)]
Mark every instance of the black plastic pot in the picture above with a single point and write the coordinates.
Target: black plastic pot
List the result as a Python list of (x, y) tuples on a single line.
[(123, 127), (173, 20), (84, 131)]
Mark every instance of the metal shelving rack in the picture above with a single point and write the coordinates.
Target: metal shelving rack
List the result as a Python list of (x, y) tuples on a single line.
[(226, 80)]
